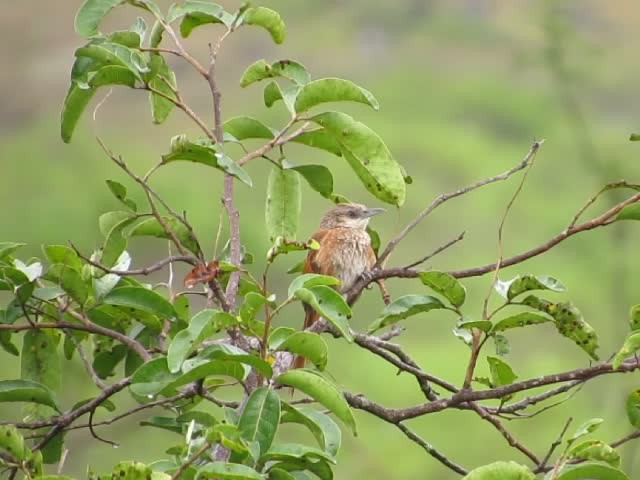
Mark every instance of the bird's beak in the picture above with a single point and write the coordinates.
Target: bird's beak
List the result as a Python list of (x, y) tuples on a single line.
[(370, 212)]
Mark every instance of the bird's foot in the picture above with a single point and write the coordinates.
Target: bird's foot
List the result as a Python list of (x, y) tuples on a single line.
[(369, 275)]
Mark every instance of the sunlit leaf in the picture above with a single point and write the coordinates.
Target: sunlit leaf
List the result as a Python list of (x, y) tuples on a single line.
[(268, 19), (446, 285), (330, 305), (634, 317), (310, 280), (321, 390), (526, 283), (501, 471), (586, 428), (261, 70), (227, 471), (327, 90), (246, 127), (260, 417), (630, 212), (283, 204), (520, 320), (318, 177), (26, 391), (632, 407), (595, 450), (319, 138), (630, 346), (91, 13), (367, 155), (404, 307), (308, 344), (323, 428), (591, 471)]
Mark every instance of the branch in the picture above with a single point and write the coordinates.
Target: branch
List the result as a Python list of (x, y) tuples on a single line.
[(431, 450), (448, 196), (602, 220), (141, 271), (87, 327), (437, 251)]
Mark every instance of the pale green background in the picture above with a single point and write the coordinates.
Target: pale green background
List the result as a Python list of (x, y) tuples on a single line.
[(464, 87)]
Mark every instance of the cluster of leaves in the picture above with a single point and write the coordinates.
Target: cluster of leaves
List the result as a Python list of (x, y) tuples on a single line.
[(70, 305)]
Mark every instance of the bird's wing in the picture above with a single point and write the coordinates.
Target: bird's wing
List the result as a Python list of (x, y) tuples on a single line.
[(317, 261)]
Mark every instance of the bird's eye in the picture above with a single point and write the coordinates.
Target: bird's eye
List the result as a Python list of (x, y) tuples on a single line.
[(353, 214)]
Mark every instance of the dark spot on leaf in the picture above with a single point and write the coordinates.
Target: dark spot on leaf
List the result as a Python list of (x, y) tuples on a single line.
[(43, 345)]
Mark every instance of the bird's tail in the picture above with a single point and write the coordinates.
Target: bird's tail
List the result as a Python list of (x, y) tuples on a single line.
[(310, 317)]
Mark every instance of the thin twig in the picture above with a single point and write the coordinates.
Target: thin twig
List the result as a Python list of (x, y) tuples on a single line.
[(431, 450), (542, 465), (448, 196), (437, 251)]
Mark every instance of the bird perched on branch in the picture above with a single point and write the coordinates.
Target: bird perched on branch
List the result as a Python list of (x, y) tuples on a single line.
[(345, 251)]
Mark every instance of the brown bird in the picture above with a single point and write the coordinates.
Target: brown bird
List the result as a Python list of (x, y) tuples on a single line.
[(345, 251)]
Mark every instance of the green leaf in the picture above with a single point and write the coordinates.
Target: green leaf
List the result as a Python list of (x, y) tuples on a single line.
[(569, 322), (520, 320), (323, 428), (501, 345), (591, 471), (501, 372), (230, 471), (187, 340), (161, 79), (595, 450), (91, 13), (182, 149), (39, 360), (634, 317), (308, 280), (26, 391), (318, 177), (196, 19), (250, 306), (274, 92), (586, 428), (319, 138), (630, 346), (632, 407), (105, 362), (327, 90), (261, 70), (113, 75), (152, 228), (74, 104), (308, 344), (446, 285), (330, 305), (108, 54), (63, 255), (193, 6), (526, 283), (247, 127), (630, 212), (484, 325), (152, 377), (634, 137), (115, 241), (70, 280), (293, 452), (283, 204), (5, 342), (501, 471), (142, 299), (260, 417), (367, 155), (120, 192), (7, 248), (268, 19), (404, 307), (13, 442), (321, 390)]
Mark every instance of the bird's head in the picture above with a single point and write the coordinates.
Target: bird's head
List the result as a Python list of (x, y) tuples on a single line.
[(349, 215)]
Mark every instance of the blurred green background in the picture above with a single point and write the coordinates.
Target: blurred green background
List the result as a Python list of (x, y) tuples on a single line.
[(464, 87)]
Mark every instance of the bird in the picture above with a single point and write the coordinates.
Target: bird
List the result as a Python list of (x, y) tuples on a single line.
[(344, 251)]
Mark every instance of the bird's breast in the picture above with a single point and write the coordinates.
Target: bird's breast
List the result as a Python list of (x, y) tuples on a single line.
[(349, 252)]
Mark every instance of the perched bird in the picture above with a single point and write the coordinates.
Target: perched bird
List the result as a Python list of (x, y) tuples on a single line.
[(345, 250)]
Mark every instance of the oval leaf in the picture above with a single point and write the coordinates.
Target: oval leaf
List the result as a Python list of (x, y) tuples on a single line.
[(141, 298), (261, 70), (318, 177), (26, 391), (596, 450), (520, 320), (446, 285), (321, 390), (283, 204), (327, 90), (246, 127), (501, 471), (586, 428), (330, 305), (268, 19), (152, 228), (367, 155), (230, 471), (260, 417), (404, 307), (632, 407), (308, 344), (91, 13), (323, 428), (592, 471), (526, 283)]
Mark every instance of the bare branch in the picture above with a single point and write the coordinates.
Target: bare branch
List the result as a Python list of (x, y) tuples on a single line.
[(437, 251), (431, 450), (448, 196)]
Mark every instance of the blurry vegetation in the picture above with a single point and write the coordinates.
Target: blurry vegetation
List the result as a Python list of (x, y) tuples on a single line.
[(464, 87)]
